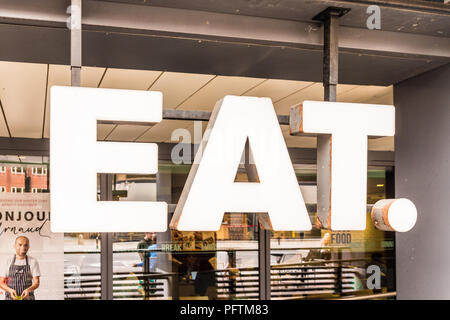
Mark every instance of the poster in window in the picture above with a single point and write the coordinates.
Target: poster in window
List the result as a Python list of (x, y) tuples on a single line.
[(28, 215)]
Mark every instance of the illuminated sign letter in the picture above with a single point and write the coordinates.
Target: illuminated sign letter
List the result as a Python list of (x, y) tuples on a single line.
[(211, 190), (349, 124), (76, 158)]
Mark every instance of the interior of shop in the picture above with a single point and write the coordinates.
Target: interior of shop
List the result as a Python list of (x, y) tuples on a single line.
[(201, 265)]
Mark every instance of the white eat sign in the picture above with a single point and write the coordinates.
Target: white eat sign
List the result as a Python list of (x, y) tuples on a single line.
[(210, 191)]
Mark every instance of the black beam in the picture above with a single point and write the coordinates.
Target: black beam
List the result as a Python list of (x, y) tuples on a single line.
[(264, 263), (106, 250), (173, 114), (75, 42), (24, 146), (330, 18), (40, 147)]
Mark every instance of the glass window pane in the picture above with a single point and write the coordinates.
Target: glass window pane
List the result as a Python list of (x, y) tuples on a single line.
[(183, 265), (25, 216), (22, 174), (82, 267), (329, 264)]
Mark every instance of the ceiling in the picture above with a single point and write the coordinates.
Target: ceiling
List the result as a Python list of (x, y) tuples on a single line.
[(274, 39), (24, 97), (422, 17)]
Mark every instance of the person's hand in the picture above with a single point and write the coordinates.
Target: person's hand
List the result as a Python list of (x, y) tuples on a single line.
[(25, 294), (13, 293), (318, 223)]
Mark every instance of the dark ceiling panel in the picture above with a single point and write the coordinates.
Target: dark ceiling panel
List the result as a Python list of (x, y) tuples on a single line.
[(239, 59), (399, 16), (34, 44), (120, 50), (370, 69)]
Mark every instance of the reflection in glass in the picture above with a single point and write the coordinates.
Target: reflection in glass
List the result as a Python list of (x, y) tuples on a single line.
[(325, 264), (317, 264), (21, 174), (183, 265)]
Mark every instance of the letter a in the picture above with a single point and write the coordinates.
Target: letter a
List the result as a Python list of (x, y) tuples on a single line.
[(210, 190)]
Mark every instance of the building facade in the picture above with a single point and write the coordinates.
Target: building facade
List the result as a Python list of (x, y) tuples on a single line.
[(369, 52)]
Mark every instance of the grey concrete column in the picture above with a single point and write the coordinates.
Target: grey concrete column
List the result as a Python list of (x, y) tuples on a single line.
[(422, 174)]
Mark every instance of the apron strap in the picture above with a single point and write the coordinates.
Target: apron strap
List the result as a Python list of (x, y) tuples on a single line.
[(11, 267), (26, 260)]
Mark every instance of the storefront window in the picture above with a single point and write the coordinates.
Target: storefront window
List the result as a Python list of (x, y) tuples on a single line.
[(82, 266), (325, 264), (28, 248), (218, 265), (183, 265)]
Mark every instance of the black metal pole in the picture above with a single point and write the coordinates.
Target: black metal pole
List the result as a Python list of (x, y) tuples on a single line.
[(146, 265), (339, 273), (264, 263), (263, 234), (106, 254), (330, 18), (75, 42), (106, 250)]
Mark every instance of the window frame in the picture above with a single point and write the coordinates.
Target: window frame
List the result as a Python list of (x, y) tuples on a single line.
[(15, 171)]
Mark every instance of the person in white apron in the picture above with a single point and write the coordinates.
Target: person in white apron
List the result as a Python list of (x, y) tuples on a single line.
[(20, 275), (19, 279)]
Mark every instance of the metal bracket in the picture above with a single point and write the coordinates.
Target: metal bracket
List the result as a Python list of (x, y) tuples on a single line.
[(330, 11)]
